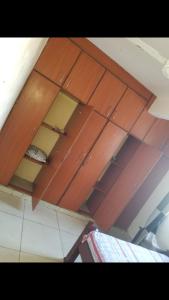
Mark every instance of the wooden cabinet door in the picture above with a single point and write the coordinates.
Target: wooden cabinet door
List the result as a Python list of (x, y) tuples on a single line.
[(142, 125), (129, 181), (57, 59), (158, 135), (84, 78), (93, 165), (24, 120), (61, 151), (72, 162), (128, 110), (107, 94)]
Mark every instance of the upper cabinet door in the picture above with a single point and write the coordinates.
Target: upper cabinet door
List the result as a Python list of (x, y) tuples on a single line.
[(128, 110), (142, 125), (107, 94), (84, 78), (57, 59), (158, 135), (24, 120)]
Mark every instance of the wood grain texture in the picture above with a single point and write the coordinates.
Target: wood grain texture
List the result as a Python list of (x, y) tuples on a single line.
[(126, 186), (112, 66), (128, 110), (143, 194), (92, 167), (57, 59), (107, 94), (84, 78), (158, 135), (23, 122), (89, 133)]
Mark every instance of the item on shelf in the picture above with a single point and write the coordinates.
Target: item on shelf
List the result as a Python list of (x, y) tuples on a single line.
[(36, 153)]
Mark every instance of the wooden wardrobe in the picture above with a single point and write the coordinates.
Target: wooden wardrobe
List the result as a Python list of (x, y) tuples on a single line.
[(83, 110)]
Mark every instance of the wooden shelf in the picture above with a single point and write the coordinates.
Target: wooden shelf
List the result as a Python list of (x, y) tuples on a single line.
[(35, 161), (21, 184), (55, 129)]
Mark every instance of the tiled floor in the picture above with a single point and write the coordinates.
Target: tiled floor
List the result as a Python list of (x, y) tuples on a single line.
[(43, 235)]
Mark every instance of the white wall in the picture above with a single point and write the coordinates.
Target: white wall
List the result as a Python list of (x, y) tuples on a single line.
[(17, 58), (156, 197)]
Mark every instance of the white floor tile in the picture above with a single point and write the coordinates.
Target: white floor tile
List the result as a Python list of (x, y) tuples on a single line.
[(10, 231), (68, 241), (8, 255), (40, 214), (11, 204), (70, 224), (41, 240), (27, 257)]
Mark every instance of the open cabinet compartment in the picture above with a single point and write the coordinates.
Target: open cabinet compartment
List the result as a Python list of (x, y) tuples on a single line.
[(111, 172), (46, 138)]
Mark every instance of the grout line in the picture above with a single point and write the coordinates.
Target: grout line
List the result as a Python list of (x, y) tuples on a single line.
[(11, 214), (50, 226), (22, 230), (60, 236)]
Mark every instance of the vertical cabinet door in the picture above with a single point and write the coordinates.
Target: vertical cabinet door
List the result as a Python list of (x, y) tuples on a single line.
[(61, 151), (57, 59), (72, 162), (158, 135), (107, 94), (24, 120), (129, 181), (128, 110), (106, 145), (84, 78), (142, 125)]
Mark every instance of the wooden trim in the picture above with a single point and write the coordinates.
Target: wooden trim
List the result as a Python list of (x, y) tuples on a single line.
[(112, 66), (55, 129)]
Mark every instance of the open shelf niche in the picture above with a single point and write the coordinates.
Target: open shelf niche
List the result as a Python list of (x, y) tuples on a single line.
[(111, 173), (48, 134)]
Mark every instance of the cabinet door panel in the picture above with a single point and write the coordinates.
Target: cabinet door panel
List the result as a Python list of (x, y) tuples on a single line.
[(142, 125), (23, 122), (61, 150), (107, 94), (128, 110), (79, 151), (158, 134), (126, 185), (101, 153), (84, 77), (57, 59)]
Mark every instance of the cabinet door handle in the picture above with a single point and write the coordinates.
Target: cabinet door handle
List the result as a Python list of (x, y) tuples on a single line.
[(109, 110), (81, 156), (61, 77), (67, 83), (114, 115), (88, 158)]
